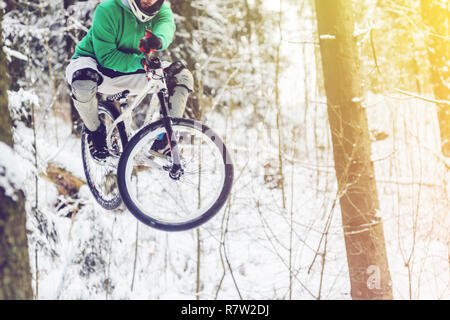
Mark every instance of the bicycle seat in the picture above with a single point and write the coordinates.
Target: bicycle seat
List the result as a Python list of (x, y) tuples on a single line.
[(118, 96)]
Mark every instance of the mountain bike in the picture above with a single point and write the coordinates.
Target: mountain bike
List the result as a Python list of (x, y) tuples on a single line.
[(171, 193)]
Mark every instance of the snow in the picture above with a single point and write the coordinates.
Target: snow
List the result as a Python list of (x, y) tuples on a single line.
[(17, 99), (327, 36), (13, 53), (11, 174)]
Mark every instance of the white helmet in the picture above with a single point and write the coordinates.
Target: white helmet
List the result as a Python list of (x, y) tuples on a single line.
[(142, 14)]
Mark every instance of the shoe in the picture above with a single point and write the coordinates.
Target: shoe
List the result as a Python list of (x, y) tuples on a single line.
[(161, 147), (97, 143)]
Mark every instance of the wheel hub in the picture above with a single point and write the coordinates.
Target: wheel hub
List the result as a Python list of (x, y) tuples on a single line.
[(175, 172)]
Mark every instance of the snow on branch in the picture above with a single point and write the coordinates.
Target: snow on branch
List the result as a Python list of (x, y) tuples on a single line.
[(11, 173), (13, 53), (415, 95), (327, 36)]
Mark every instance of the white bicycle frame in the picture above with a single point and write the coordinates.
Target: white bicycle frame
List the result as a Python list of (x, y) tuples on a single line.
[(156, 83)]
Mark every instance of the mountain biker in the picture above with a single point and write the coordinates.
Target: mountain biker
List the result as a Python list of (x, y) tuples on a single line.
[(109, 59)]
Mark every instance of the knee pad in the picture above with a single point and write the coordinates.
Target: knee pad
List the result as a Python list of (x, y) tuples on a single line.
[(87, 74), (84, 90), (84, 84), (178, 75), (84, 100)]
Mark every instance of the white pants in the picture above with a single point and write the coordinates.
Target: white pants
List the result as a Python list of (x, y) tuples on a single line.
[(134, 82)]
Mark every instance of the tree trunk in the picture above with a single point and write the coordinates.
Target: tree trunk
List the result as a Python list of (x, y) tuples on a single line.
[(435, 14), (15, 276), (357, 192)]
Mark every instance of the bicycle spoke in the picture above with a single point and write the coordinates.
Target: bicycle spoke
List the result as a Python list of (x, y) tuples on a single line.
[(164, 190), (208, 170)]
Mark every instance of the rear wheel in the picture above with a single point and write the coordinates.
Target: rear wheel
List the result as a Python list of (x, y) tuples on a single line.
[(101, 177)]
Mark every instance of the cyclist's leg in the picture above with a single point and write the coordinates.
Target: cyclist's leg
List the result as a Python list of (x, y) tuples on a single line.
[(183, 85), (180, 83), (85, 102), (83, 78)]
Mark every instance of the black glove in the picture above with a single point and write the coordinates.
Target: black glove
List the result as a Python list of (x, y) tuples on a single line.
[(149, 43)]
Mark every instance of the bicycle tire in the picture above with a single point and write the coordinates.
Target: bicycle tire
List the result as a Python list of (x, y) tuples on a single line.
[(203, 217), (111, 111)]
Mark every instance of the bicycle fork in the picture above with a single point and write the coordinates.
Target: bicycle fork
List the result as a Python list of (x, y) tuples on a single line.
[(176, 171)]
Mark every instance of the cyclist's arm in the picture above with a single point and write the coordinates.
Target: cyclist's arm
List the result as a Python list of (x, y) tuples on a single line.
[(164, 26), (104, 32)]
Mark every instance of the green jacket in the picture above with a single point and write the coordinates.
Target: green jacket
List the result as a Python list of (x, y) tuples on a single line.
[(113, 39)]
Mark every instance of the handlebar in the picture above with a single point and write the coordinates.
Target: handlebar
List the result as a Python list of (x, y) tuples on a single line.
[(152, 63)]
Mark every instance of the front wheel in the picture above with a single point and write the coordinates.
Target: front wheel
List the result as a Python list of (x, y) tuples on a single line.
[(163, 202)]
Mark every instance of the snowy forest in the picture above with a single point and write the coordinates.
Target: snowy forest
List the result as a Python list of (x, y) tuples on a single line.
[(336, 114)]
